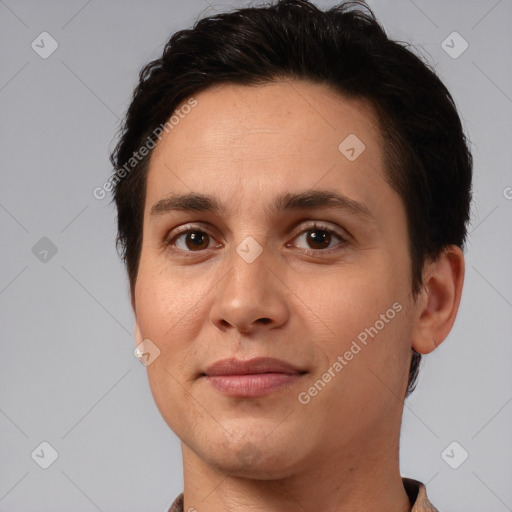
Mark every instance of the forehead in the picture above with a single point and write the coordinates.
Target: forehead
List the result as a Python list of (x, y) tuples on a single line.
[(251, 141)]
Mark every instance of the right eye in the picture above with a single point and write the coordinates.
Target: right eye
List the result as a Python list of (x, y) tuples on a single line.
[(190, 240)]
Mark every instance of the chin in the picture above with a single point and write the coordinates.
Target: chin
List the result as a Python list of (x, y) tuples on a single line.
[(259, 457)]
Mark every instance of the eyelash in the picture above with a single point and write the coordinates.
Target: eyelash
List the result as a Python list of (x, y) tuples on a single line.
[(169, 243)]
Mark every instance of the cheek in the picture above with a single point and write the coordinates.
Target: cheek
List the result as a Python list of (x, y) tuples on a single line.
[(166, 299), (167, 313), (347, 300), (170, 312), (360, 315)]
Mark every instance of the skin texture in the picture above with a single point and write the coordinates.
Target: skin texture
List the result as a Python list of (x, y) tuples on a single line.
[(339, 452)]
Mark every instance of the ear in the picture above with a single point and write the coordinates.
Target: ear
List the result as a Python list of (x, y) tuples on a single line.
[(438, 302)]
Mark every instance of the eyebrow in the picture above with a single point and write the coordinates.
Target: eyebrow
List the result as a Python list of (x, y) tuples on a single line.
[(310, 199)]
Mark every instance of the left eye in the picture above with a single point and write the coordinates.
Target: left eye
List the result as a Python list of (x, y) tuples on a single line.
[(319, 238)]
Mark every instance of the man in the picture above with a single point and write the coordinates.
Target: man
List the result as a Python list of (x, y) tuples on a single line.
[(293, 190)]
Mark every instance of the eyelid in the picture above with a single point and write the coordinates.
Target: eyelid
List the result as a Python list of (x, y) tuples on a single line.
[(323, 226), (205, 227)]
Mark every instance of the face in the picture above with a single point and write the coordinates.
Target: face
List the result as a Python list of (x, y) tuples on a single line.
[(267, 263)]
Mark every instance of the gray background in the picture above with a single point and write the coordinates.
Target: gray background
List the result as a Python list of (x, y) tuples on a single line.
[(68, 375)]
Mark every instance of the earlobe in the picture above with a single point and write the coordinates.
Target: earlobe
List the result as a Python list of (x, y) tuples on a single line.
[(439, 300)]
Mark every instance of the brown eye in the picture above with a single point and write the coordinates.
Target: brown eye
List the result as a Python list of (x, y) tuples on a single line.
[(319, 238), (192, 241)]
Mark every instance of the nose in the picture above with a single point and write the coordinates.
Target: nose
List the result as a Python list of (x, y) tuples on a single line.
[(252, 296)]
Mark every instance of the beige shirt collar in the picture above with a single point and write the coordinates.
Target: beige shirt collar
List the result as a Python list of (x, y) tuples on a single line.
[(415, 490)]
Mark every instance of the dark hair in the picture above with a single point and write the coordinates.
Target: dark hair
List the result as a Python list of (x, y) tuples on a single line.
[(428, 161)]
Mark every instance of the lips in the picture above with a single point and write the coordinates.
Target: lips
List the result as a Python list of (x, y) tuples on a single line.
[(252, 366), (253, 378)]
